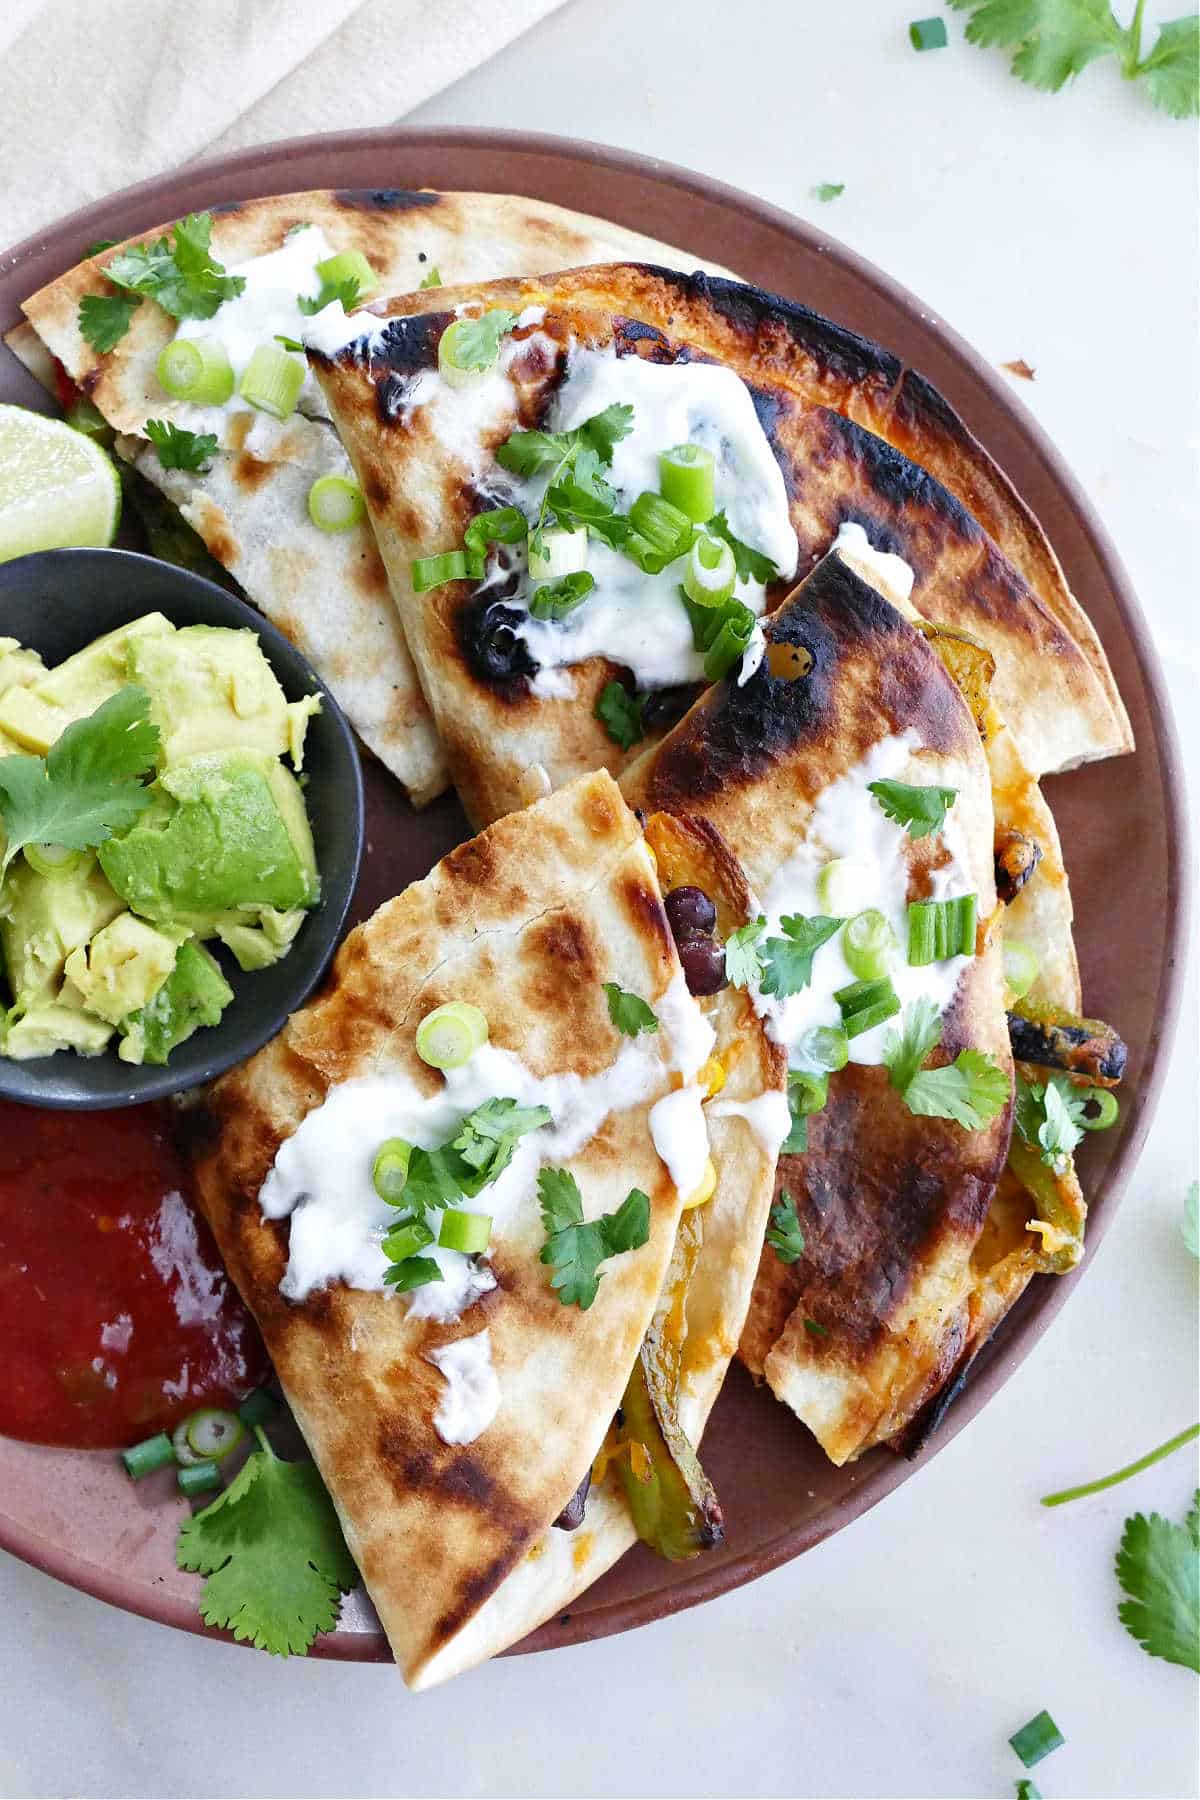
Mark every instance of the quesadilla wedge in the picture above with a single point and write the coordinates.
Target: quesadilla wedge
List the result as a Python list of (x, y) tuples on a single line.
[(453, 1419), (849, 777), (248, 496), (519, 658)]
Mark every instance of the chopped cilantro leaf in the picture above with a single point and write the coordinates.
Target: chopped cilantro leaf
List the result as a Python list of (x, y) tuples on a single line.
[(1190, 1224), (784, 1235), (1028, 1790), (575, 1249), (788, 960), (178, 271), (87, 785), (921, 809), (273, 1552), (345, 290), (477, 341), (828, 190), (289, 343), (971, 1090), (433, 279), (180, 449), (751, 564), (620, 712), (412, 1272), (628, 1013), (905, 1051), (98, 248), (490, 1134), (1158, 1567), (105, 318), (815, 1329), (743, 962), (1048, 1116)]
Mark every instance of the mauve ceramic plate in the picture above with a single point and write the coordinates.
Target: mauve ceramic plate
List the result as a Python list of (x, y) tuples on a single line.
[(74, 1514)]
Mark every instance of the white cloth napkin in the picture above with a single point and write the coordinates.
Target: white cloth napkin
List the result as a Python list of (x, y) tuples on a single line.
[(96, 94)]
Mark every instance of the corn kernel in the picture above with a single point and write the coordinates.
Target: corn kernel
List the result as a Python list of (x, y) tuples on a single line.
[(706, 1190), (712, 1077)]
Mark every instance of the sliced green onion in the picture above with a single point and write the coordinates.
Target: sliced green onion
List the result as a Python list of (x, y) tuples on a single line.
[(843, 887), (555, 599), (348, 265), (406, 1240), (196, 369), (938, 929), (389, 1171), (807, 1092), (53, 859), (199, 1478), (335, 503), (869, 945), (710, 572), (431, 571), (1037, 1739), (1021, 967), (450, 1035), (1109, 1111), (213, 1432), (558, 552), (185, 1456), (414, 1272), (151, 1454), (685, 478), (502, 525), (824, 1047), (271, 381), (927, 34), (729, 645), (257, 1408), (663, 527), (866, 1004), (465, 1231)]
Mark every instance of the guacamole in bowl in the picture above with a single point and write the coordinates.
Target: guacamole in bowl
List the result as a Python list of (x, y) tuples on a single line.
[(181, 806)]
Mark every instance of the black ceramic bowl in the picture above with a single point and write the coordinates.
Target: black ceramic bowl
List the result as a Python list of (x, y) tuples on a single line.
[(56, 602)]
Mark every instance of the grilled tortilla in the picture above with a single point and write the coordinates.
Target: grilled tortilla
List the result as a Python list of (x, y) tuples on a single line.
[(327, 592), (425, 457), (457, 1544), (863, 1329)]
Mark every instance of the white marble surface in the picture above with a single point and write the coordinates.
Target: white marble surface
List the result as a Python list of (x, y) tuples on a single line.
[(895, 1659)]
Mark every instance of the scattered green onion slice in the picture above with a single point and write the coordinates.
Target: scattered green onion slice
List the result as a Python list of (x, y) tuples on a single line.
[(406, 1240), (348, 265), (212, 1432), (450, 1035), (559, 552), (53, 859), (184, 1455), (825, 1047), (196, 369), (729, 645), (843, 887), (465, 1231), (807, 1092), (869, 944), (151, 1454), (1037, 1739), (927, 34), (271, 381), (257, 1408), (389, 1171), (199, 1478), (710, 572), (1021, 967), (685, 478), (938, 929), (555, 599), (335, 503), (431, 571), (1107, 1116), (502, 525), (666, 529), (866, 1004)]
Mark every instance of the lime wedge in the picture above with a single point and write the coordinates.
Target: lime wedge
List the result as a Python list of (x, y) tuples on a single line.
[(57, 487)]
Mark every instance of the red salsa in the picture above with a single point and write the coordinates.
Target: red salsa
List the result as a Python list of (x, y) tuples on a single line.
[(116, 1316)]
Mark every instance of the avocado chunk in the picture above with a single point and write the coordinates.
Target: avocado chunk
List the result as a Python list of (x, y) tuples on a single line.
[(211, 688), (228, 831), (18, 668), (123, 967), (194, 994), (43, 918), (257, 946), (52, 1025), (38, 714)]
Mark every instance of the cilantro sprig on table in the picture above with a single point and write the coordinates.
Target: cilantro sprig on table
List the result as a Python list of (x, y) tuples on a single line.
[(273, 1552), (575, 1248), (1054, 40), (972, 1090), (88, 784), (178, 271), (1158, 1568)]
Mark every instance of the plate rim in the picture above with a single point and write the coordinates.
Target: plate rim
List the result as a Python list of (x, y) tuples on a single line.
[(1024, 1328)]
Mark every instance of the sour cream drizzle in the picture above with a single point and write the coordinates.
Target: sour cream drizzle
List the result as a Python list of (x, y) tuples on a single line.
[(472, 1397)]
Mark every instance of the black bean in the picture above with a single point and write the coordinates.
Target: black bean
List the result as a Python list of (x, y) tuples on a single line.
[(689, 909), (703, 962)]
